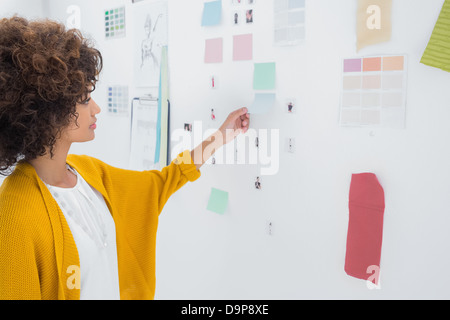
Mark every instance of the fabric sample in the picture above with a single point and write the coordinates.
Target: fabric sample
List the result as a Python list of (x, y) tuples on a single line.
[(365, 226), (373, 22), (437, 52)]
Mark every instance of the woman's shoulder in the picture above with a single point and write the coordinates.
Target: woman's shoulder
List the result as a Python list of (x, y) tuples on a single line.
[(21, 202), (19, 188)]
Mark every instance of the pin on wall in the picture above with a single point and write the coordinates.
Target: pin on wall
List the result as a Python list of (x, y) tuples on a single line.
[(269, 227), (290, 145)]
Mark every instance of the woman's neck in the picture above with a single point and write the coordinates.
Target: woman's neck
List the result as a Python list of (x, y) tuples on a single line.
[(53, 171)]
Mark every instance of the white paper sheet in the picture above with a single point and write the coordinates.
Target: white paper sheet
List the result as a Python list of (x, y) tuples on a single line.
[(143, 135)]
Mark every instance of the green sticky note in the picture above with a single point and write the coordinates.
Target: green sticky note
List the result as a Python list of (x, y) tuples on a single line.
[(264, 76), (218, 201)]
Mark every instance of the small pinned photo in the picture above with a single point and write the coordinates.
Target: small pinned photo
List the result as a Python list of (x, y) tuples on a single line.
[(258, 183), (236, 18), (213, 82), (249, 16), (188, 127), (290, 106)]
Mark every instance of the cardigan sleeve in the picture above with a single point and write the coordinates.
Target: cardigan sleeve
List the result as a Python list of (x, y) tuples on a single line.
[(172, 177), (155, 186)]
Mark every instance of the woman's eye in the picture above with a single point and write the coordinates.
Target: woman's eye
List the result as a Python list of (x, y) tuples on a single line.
[(86, 101)]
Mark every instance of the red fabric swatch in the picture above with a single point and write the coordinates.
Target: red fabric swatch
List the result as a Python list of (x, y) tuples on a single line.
[(365, 226)]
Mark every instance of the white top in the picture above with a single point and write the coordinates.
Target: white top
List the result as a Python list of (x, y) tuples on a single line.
[(94, 232)]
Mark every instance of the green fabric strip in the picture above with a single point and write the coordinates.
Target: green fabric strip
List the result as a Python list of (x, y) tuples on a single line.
[(437, 53)]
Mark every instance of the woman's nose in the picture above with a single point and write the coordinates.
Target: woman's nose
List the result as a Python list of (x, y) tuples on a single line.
[(96, 109)]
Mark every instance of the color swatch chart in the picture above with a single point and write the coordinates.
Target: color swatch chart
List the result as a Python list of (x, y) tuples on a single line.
[(118, 100), (374, 92), (115, 23)]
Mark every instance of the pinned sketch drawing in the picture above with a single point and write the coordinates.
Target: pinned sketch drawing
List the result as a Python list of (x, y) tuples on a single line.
[(147, 51), (150, 36)]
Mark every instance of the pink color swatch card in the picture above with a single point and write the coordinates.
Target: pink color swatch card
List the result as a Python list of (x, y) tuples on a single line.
[(214, 50), (243, 47)]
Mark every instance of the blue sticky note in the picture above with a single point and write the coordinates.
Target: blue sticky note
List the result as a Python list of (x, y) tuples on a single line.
[(263, 103), (212, 13)]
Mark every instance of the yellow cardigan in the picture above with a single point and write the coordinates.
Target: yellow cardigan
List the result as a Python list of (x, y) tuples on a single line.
[(37, 251)]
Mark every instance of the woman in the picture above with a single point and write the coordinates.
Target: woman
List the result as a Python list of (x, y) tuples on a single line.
[(73, 227)]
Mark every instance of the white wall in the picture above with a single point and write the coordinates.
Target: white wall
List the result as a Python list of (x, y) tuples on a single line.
[(29, 9), (202, 255)]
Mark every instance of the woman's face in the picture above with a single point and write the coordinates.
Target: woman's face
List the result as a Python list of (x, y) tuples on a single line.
[(86, 122)]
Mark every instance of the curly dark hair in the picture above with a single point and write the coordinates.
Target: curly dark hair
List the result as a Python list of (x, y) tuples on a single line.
[(45, 70)]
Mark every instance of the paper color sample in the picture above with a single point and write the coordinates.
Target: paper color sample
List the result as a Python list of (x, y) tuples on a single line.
[(218, 201), (263, 103), (264, 76), (374, 92), (352, 65), (373, 22), (243, 47), (163, 112), (393, 63), (212, 13), (115, 23), (118, 100), (289, 22), (365, 226), (214, 50)]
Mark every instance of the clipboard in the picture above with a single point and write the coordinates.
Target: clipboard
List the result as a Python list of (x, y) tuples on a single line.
[(149, 134)]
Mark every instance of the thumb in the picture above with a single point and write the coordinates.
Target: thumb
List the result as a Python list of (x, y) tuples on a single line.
[(239, 112)]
